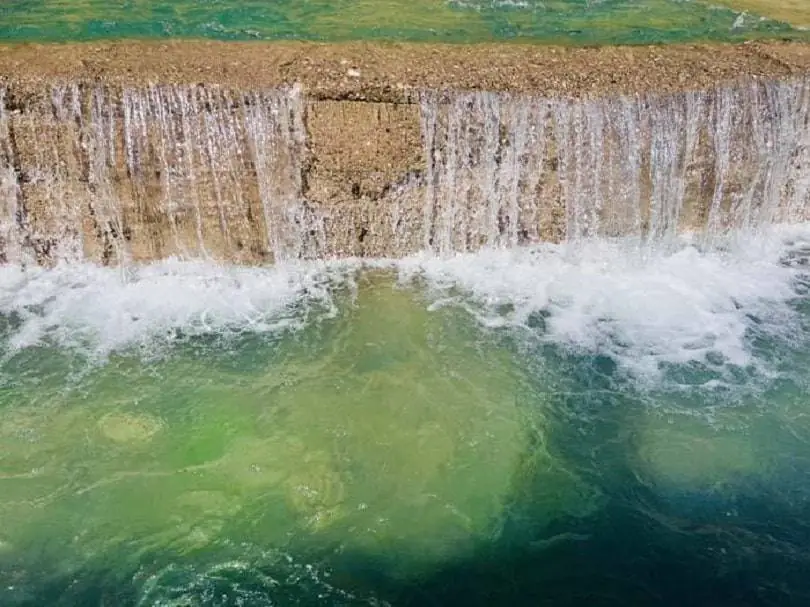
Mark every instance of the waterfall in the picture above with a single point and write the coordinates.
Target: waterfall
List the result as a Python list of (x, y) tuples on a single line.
[(135, 174), (502, 170), (9, 191), (203, 143), (159, 171)]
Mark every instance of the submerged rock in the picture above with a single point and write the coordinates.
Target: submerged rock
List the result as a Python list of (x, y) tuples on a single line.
[(315, 490), (400, 434), (129, 427), (416, 426), (688, 453)]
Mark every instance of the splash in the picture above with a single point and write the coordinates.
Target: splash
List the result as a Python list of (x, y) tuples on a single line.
[(647, 307), (86, 306)]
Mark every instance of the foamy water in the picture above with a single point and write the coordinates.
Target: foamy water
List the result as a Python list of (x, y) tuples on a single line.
[(81, 305), (645, 306)]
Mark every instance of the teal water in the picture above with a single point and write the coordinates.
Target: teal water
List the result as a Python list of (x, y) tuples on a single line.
[(532, 426), (557, 21)]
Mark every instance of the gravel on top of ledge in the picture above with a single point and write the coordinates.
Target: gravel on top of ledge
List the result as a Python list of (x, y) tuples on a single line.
[(392, 72)]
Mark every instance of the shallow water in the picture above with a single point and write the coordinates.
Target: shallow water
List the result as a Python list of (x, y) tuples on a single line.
[(606, 421), (558, 21)]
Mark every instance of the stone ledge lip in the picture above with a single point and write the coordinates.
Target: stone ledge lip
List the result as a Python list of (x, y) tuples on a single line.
[(395, 72)]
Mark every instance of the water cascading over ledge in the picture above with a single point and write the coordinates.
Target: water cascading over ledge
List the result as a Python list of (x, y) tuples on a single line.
[(117, 174), (146, 174)]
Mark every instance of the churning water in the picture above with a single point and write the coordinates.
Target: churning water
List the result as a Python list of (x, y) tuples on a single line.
[(604, 422)]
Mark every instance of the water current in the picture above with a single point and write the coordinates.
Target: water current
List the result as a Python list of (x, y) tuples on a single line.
[(603, 422), (557, 21)]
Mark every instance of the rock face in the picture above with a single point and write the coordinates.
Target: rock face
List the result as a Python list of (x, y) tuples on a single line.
[(256, 153)]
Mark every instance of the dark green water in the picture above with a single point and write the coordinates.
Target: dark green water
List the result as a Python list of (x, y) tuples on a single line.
[(557, 21), (527, 427)]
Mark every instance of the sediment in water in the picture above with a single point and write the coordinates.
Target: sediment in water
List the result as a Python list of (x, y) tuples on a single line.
[(258, 152)]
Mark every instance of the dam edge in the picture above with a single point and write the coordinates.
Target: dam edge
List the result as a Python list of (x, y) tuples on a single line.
[(348, 162), (391, 72)]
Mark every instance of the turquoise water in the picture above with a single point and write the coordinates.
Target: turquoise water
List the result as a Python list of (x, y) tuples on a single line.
[(558, 21), (532, 426)]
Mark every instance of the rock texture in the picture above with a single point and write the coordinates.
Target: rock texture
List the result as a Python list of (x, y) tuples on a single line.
[(393, 72)]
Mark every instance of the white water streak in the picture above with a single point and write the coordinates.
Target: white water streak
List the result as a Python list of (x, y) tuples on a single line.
[(201, 172), (10, 245), (651, 166)]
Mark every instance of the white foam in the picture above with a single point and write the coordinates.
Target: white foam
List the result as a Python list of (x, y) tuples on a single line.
[(110, 309), (643, 305)]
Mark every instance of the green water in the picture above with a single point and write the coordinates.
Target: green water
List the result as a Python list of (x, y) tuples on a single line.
[(501, 428), (555, 21), (388, 433)]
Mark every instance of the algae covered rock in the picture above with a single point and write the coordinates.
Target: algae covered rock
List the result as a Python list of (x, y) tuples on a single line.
[(315, 490), (422, 420), (687, 452), (129, 427), (388, 431)]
